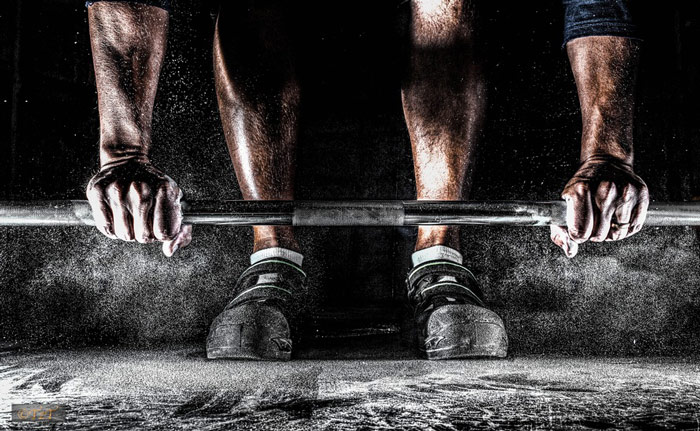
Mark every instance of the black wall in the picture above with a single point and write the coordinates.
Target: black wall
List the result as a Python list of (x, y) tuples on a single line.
[(71, 286)]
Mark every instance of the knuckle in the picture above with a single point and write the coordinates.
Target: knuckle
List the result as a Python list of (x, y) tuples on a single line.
[(144, 238), (629, 193), (605, 188), (96, 180), (108, 235), (114, 191), (164, 234), (644, 194), (580, 189), (576, 233), (140, 190), (145, 229), (104, 227), (579, 232), (95, 192), (597, 238), (169, 189), (170, 230), (158, 234), (129, 234), (165, 231)]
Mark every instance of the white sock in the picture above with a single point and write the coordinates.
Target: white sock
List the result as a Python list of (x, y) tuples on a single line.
[(272, 252), (436, 252)]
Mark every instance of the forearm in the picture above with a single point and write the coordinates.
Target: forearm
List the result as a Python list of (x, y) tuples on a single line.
[(605, 68), (128, 45)]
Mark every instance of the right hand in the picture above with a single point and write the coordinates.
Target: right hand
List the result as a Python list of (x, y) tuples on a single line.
[(134, 201)]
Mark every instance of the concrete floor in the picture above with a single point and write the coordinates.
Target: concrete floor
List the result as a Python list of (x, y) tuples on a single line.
[(164, 389)]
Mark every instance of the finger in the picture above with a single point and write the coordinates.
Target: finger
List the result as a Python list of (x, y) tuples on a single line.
[(605, 198), (560, 237), (181, 240), (101, 212), (623, 213), (639, 213), (579, 212), (167, 215), (120, 215), (140, 205)]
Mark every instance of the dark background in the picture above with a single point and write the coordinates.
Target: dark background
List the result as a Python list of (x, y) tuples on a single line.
[(72, 287)]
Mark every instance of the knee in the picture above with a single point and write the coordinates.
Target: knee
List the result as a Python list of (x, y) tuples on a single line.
[(439, 23)]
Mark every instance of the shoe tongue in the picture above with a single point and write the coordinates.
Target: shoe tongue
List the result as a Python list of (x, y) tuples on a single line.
[(268, 278), (447, 278)]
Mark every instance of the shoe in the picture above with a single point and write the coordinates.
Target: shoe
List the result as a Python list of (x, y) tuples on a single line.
[(256, 323), (453, 321)]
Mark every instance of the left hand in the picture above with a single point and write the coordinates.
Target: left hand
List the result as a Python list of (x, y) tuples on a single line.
[(605, 201)]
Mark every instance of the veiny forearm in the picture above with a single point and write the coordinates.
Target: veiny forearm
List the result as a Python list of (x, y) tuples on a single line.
[(605, 68), (128, 45)]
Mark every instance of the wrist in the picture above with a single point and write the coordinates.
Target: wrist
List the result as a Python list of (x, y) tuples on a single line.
[(603, 157), (607, 136), (127, 143), (597, 158), (111, 156), (611, 151)]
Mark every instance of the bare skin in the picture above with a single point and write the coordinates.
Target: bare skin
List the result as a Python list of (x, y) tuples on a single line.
[(444, 100), (444, 96), (259, 101), (258, 98), (131, 199), (606, 200)]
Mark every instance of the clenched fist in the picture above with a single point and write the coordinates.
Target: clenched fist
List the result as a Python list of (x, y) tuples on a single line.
[(606, 201), (134, 201)]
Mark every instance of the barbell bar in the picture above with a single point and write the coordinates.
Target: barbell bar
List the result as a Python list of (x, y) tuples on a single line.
[(344, 213)]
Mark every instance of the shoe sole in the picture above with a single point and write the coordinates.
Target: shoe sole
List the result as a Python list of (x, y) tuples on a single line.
[(464, 332), (237, 353)]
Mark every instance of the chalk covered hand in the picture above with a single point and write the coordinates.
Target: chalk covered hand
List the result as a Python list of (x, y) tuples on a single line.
[(605, 201), (132, 200)]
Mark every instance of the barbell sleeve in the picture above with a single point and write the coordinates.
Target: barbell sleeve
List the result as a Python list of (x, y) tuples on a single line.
[(345, 213)]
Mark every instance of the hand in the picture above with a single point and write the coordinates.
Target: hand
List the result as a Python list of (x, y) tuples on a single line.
[(606, 201), (132, 200)]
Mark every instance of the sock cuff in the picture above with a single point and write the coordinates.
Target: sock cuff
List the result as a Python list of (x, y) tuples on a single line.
[(436, 252), (272, 252)]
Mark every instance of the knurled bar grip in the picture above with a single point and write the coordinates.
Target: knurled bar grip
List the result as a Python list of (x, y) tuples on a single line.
[(345, 213)]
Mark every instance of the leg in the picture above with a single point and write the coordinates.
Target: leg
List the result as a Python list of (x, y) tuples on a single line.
[(444, 98), (259, 100)]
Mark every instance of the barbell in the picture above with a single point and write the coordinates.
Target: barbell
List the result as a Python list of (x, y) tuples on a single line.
[(344, 213)]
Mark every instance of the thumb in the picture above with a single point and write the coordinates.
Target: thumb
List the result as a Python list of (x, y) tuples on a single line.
[(183, 238), (560, 237)]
